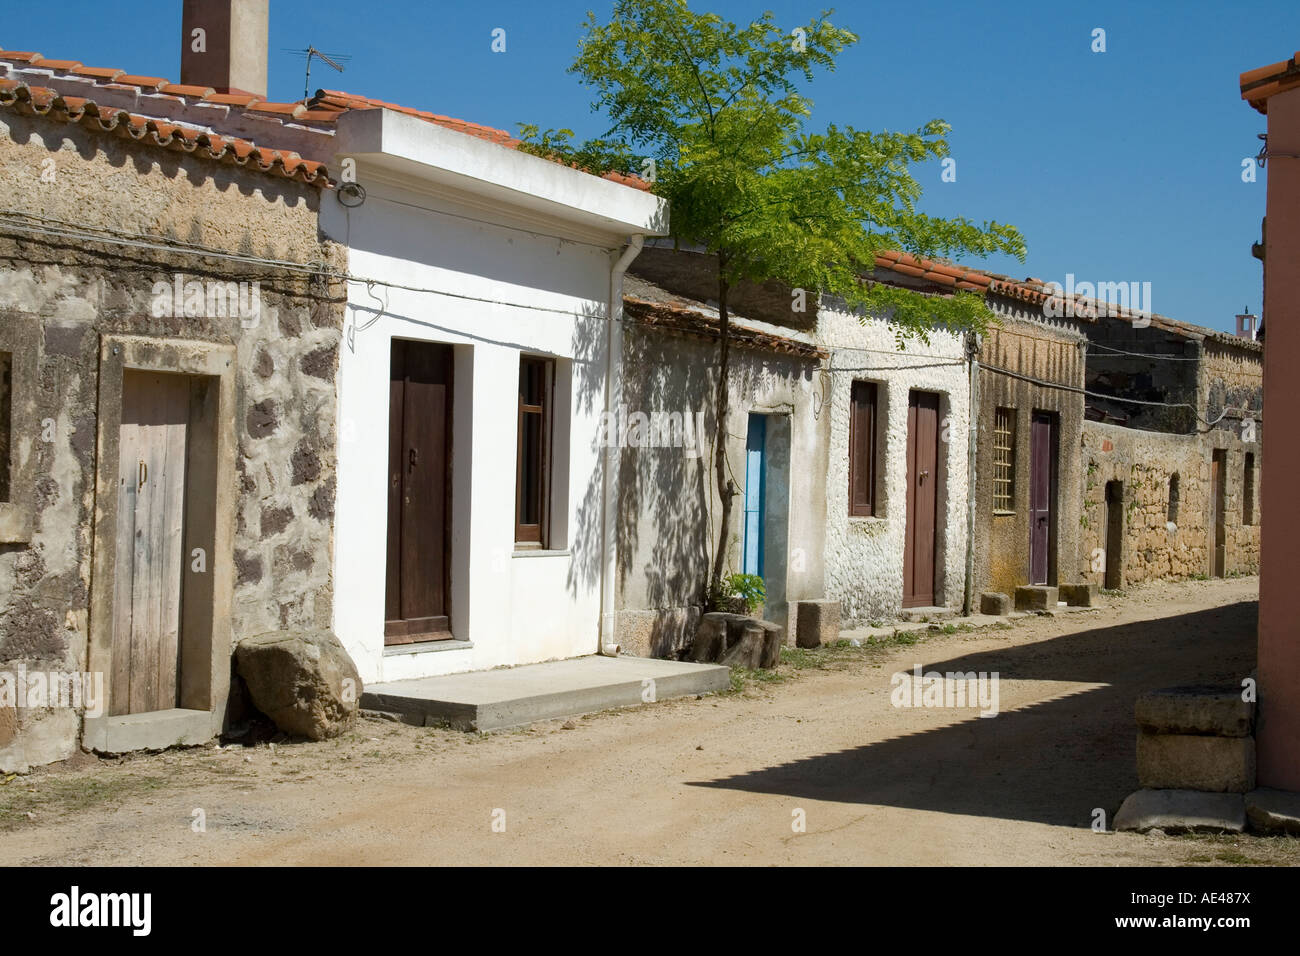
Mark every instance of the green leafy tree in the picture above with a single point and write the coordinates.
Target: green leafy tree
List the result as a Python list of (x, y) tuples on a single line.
[(719, 109)]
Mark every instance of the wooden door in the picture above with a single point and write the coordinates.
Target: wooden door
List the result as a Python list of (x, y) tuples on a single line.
[(1041, 493), (1218, 536), (755, 454), (419, 423), (1114, 535), (153, 445), (922, 501)]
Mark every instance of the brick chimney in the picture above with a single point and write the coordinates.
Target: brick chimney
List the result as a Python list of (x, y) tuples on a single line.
[(224, 45)]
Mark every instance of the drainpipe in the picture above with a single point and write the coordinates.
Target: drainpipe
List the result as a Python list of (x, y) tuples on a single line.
[(613, 399), (972, 356)]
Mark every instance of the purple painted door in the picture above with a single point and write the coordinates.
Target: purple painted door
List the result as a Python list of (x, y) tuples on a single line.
[(1040, 496)]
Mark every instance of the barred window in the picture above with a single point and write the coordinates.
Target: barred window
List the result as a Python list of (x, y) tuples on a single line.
[(6, 400), (1004, 460)]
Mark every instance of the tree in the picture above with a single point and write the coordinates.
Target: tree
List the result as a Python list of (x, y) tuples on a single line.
[(719, 109)]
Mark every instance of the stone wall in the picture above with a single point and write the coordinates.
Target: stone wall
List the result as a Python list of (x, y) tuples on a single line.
[(1027, 350), (1154, 546), (72, 291)]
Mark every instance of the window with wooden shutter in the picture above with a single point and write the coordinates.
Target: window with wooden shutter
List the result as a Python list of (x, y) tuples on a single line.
[(532, 474), (1004, 461), (862, 449)]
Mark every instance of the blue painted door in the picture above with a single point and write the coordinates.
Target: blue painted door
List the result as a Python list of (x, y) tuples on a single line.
[(755, 442)]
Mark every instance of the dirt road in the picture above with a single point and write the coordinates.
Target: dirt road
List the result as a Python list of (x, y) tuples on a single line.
[(723, 779)]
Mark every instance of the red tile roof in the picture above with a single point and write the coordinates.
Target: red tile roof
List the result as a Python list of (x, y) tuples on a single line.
[(41, 101), (1258, 85), (323, 108), (946, 278)]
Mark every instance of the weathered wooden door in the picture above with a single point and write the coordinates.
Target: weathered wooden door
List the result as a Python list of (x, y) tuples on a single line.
[(418, 468), (922, 501), (1218, 536), (152, 443), (755, 461), (1041, 455)]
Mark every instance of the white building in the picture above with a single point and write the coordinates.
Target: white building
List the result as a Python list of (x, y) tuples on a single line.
[(470, 501)]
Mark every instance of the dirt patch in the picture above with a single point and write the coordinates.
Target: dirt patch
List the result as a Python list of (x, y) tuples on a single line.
[(720, 779)]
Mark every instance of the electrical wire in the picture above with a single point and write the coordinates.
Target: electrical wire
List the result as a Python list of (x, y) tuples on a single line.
[(319, 269)]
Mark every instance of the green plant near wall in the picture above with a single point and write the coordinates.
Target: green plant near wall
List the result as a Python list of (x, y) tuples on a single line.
[(748, 588)]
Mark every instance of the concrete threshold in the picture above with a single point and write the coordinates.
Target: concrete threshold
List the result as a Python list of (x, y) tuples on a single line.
[(514, 696)]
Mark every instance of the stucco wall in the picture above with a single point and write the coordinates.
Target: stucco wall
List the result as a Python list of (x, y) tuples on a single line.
[(864, 555), (507, 289), (74, 291), (669, 507)]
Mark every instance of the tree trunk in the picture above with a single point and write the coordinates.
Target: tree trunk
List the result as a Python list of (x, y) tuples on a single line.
[(725, 491)]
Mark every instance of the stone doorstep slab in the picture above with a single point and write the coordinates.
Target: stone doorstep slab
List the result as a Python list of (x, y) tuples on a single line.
[(157, 730), (514, 696), (1182, 811)]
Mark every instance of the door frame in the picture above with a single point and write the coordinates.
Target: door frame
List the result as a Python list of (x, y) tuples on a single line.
[(1051, 419), (207, 598), (909, 498), (398, 635)]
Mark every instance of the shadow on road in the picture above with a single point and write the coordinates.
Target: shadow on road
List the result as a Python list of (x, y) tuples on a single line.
[(1051, 762)]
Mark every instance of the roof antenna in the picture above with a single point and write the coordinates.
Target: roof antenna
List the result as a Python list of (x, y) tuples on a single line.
[(332, 59)]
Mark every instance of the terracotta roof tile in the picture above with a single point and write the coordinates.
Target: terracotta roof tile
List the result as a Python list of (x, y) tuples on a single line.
[(41, 101), (97, 72), (144, 82), (181, 89), (63, 66), (324, 107), (1259, 84)]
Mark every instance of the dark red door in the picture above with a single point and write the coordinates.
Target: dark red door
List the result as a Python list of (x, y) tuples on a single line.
[(1040, 497), (922, 474), (418, 458)]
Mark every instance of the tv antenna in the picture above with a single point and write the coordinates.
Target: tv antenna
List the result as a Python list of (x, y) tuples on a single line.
[(335, 60)]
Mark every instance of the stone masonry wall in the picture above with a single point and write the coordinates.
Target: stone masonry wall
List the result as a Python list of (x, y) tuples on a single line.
[(76, 290)]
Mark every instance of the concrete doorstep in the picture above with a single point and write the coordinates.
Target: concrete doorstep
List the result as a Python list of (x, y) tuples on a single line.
[(514, 696)]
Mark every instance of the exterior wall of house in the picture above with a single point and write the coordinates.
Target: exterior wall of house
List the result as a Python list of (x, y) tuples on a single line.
[(506, 289), (1030, 350), (1279, 651), (864, 555), (65, 295), (1158, 543), (669, 505)]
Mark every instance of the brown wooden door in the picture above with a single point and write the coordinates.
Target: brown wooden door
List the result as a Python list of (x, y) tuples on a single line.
[(152, 444), (1041, 462), (922, 474), (418, 486), (1218, 536)]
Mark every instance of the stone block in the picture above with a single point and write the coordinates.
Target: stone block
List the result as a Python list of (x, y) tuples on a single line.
[(1211, 711), (1273, 811), (1079, 595), (816, 622), (995, 603), (1188, 762), (1182, 811), (1036, 597)]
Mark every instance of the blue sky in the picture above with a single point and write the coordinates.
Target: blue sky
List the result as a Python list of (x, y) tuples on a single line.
[(1117, 166)]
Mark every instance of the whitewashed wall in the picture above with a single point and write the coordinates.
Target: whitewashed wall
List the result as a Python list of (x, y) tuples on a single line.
[(510, 609), (864, 556)]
